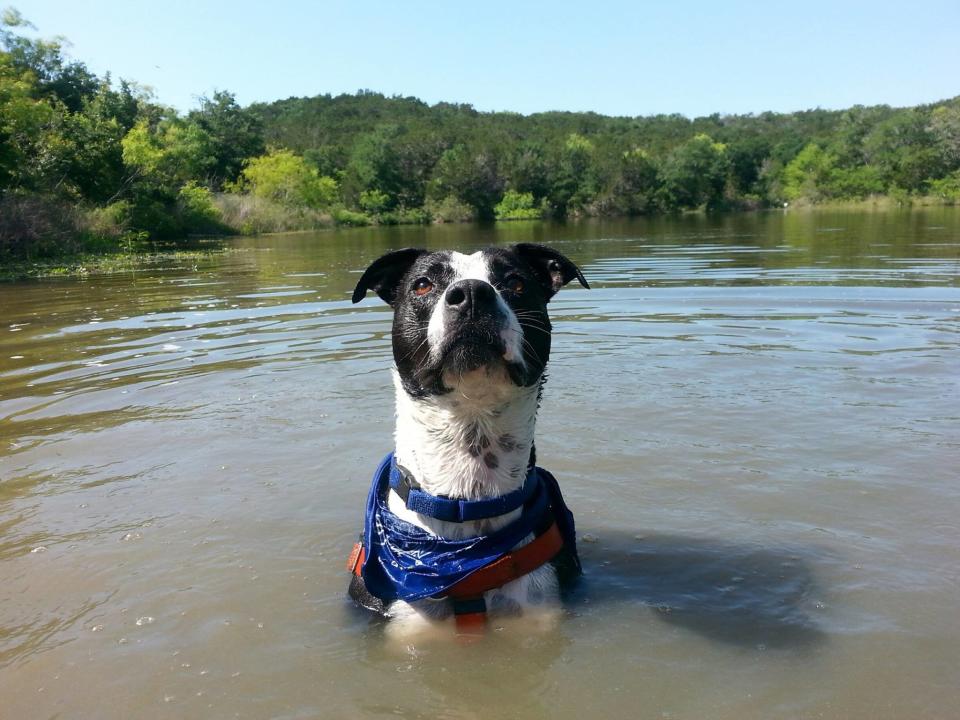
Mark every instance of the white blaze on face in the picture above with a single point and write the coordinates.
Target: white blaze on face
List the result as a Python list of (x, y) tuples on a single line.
[(476, 267), (469, 267)]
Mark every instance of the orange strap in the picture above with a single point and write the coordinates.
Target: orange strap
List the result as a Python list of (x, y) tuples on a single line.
[(470, 625), (511, 566), (355, 561)]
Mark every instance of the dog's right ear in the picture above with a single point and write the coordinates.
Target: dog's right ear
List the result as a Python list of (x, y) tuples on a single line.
[(554, 269), (385, 274)]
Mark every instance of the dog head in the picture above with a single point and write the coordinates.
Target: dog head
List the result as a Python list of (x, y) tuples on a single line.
[(455, 314)]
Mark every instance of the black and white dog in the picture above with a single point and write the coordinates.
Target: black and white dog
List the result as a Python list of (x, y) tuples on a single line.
[(471, 339)]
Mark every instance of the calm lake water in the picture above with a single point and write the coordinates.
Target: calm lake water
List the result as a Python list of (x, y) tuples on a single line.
[(755, 418)]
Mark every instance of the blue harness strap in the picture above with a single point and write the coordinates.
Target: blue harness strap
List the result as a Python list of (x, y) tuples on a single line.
[(451, 510), (400, 561)]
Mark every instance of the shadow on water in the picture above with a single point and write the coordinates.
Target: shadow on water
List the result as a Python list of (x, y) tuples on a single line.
[(740, 594)]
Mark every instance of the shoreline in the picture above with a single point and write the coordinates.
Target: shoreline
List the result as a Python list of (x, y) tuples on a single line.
[(89, 264)]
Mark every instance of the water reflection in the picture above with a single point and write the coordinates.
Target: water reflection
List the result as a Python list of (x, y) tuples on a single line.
[(39, 634)]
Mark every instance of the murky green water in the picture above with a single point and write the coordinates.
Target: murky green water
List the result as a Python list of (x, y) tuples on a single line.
[(756, 420)]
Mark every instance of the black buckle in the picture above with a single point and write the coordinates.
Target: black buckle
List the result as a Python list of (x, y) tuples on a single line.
[(468, 606)]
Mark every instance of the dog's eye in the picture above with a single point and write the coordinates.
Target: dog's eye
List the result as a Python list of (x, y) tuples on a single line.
[(422, 286), (514, 283)]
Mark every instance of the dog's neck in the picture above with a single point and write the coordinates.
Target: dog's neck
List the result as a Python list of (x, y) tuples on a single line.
[(471, 443)]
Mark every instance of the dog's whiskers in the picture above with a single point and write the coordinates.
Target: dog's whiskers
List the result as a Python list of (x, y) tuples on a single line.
[(528, 326)]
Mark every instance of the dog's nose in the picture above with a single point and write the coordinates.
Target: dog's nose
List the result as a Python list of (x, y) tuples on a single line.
[(470, 296)]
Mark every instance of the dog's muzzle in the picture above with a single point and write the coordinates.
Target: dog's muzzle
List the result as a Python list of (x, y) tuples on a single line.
[(472, 321)]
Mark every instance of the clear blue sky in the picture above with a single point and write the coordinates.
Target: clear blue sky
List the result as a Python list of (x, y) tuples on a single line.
[(612, 56)]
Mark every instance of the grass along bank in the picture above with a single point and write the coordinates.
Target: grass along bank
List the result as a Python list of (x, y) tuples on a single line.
[(88, 264)]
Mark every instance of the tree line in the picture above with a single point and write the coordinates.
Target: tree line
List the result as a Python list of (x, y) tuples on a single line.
[(89, 163)]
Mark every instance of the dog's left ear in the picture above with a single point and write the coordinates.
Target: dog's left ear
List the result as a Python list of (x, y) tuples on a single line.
[(385, 274), (552, 268)]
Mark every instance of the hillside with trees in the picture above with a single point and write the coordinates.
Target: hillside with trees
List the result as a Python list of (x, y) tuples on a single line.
[(89, 163)]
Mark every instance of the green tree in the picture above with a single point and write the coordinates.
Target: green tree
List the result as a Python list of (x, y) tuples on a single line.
[(947, 187), (169, 154), (374, 201), (286, 178), (472, 177), (374, 165), (23, 125), (945, 130), (903, 149), (196, 210), (854, 183), (747, 156), (392, 160), (68, 82), (528, 170), (574, 185), (234, 135), (808, 175), (637, 184), (694, 174)]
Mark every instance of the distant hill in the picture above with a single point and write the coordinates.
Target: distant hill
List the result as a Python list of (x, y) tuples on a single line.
[(585, 163)]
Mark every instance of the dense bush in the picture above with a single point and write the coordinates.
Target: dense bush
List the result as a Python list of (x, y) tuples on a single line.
[(287, 179), (34, 226), (449, 210), (947, 188), (196, 211), (351, 218), (517, 206)]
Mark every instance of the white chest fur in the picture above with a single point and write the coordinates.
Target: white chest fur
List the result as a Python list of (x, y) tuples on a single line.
[(471, 443)]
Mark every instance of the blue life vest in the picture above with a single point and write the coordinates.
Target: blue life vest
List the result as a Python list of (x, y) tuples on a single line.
[(405, 562)]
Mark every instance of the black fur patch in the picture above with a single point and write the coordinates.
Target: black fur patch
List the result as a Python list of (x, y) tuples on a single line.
[(507, 443)]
